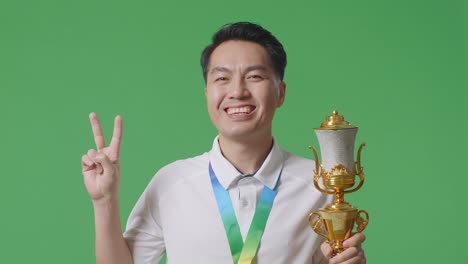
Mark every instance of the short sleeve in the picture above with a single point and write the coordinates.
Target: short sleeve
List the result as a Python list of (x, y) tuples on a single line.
[(143, 233)]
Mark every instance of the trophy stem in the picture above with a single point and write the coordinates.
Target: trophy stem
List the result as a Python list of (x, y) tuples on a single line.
[(339, 202), (339, 196), (337, 248)]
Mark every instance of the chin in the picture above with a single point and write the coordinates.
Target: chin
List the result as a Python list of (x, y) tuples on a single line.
[(240, 133)]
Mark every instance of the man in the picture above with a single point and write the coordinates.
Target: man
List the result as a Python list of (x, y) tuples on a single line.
[(244, 201)]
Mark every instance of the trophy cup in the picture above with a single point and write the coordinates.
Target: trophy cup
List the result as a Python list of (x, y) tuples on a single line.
[(338, 171)]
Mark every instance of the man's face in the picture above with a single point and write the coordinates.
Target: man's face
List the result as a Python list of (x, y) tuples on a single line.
[(242, 90)]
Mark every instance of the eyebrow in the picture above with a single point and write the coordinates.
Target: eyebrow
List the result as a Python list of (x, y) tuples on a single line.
[(256, 67), (248, 69), (219, 69)]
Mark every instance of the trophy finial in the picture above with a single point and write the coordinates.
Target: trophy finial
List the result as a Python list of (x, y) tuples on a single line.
[(335, 121)]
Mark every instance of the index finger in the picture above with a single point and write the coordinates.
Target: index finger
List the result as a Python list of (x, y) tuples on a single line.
[(355, 241), (97, 131), (116, 137)]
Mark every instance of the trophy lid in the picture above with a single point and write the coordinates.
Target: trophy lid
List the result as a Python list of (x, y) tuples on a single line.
[(335, 121)]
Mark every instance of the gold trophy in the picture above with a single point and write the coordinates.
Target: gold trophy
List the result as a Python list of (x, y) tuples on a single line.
[(338, 171)]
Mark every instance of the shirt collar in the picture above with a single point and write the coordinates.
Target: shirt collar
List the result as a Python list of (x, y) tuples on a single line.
[(227, 174)]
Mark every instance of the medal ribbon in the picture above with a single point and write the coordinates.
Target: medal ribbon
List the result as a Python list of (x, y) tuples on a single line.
[(242, 253)]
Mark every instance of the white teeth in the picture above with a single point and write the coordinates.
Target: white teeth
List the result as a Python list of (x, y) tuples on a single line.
[(239, 110)]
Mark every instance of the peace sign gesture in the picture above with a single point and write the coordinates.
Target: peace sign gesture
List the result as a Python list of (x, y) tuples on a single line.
[(101, 168)]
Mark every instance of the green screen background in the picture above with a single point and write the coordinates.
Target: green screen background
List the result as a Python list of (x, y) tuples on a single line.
[(394, 68)]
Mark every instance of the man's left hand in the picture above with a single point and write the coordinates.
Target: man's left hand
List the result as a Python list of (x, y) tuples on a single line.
[(354, 254)]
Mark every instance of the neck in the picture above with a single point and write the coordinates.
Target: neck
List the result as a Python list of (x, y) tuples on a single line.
[(247, 155)]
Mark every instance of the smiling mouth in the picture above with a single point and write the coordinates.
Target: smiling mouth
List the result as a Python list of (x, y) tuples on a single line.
[(244, 110)]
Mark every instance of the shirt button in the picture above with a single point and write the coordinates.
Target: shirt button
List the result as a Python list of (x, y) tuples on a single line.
[(244, 203)]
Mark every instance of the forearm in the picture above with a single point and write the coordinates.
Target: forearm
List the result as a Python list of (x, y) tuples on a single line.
[(111, 247)]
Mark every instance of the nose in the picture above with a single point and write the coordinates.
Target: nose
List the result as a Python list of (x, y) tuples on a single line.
[(239, 89)]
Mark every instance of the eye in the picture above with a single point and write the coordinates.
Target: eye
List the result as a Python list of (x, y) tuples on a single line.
[(220, 79), (255, 77)]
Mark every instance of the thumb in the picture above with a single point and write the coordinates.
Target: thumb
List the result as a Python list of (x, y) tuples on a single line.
[(326, 249), (105, 163)]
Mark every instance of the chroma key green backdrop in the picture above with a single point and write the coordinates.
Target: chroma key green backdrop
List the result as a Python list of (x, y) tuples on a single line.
[(396, 69)]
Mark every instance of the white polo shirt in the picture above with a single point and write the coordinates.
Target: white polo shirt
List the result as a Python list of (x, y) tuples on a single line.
[(178, 212)]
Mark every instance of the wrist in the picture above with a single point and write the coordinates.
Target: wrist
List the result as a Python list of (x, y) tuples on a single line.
[(106, 202)]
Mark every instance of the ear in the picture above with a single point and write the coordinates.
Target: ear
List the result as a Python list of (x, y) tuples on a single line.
[(282, 94)]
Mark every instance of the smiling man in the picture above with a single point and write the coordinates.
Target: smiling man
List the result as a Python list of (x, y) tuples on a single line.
[(244, 201)]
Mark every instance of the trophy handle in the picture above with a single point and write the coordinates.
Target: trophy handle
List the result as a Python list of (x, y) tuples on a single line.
[(317, 173), (316, 225), (361, 222), (359, 170)]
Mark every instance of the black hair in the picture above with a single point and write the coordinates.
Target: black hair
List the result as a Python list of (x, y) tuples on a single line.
[(249, 32)]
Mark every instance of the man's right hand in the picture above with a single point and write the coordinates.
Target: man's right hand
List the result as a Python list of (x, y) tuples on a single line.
[(101, 167)]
